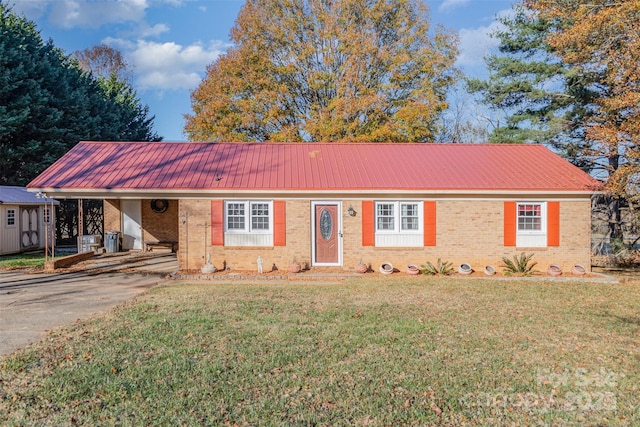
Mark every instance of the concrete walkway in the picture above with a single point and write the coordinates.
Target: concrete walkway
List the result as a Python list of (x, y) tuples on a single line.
[(31, 304)]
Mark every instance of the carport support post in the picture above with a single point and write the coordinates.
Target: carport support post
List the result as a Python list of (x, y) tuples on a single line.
[(46, 235), (185, 222), (206, 251), (52, 225), (80, 220), (47, 226)]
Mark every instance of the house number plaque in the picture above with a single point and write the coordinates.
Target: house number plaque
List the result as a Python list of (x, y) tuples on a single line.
[(326, 224)]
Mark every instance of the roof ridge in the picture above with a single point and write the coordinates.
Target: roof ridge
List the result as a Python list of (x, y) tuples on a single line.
[(291, 143)]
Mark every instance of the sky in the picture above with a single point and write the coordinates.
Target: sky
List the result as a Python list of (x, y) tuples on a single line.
[(169, 43)]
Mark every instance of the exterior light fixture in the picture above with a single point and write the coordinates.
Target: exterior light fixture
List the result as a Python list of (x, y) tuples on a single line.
[(352, 212)]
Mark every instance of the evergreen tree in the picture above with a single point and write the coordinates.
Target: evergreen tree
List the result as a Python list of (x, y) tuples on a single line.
[(48, 104), (603, 37), (567, 76), (130, 118), (541, 99)]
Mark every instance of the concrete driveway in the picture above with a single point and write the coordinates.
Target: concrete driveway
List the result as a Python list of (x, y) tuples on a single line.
[(31, 304)]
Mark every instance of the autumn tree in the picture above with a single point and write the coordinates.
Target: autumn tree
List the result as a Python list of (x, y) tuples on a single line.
[(603, 36), (318, 70), (104, 62)]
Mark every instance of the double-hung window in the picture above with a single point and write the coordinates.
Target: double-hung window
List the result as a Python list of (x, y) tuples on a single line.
[(399, 223), (248, 223), (532, 225), (11, 217), (529, 217)]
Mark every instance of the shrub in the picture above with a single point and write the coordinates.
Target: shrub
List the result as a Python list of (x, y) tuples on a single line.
[(521, 265), (441, 268)]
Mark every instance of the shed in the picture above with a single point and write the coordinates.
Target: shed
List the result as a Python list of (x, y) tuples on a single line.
[(27, 220)]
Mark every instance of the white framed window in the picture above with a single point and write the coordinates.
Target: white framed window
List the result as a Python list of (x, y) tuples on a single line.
[(236, 216), (531, 217), (531, 228), (248, 216), (399, 223), (399, 217), (248, 222), (260, 216), (385, 216), (11, 217)]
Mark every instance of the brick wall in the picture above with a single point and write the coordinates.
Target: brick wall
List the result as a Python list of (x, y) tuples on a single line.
[(160, 226), (155, 226), (472, 231), (467, 231), (112, 215), (195, 240)]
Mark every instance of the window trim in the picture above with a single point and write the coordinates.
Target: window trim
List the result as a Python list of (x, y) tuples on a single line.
[(11, 215), (543, 219), (397, 216), (248, 223)]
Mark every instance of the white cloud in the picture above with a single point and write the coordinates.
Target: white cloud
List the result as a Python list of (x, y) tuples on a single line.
[(166, 66), (84, 14), (448, 5), (476, 43), (70, 14), (32, 9), (156, 30), (161, 80)]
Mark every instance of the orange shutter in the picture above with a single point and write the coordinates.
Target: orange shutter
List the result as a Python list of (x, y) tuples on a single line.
[(217, 222), (510, 223), (553, 223), (368, 221), (279, 223), (429, 223)]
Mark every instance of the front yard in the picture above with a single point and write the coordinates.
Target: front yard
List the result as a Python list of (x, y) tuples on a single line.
[(372, 351)]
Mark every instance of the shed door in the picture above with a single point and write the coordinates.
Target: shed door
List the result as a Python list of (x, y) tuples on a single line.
[(131, 224), (327, 234), (29, 230)]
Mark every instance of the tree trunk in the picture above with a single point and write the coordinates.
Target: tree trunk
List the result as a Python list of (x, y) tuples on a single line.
[(615, 222)]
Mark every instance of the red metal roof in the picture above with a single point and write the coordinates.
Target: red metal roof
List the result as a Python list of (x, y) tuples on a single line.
[(154, 166)]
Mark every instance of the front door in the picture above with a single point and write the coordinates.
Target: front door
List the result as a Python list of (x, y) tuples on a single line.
[(131, 224), (327, 233)]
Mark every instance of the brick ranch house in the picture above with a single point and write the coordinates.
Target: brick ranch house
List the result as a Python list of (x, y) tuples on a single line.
[(334, 204)]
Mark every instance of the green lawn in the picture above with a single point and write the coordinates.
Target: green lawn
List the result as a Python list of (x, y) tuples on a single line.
[(22, 260), (380, 351)]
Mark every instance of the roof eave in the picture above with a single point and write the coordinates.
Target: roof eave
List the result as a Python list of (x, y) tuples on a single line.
[(262, 193)]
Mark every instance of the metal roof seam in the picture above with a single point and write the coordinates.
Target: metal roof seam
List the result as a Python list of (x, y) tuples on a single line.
[(283, 166)]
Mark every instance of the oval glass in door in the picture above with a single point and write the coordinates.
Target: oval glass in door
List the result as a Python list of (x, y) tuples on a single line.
[(326, 224)]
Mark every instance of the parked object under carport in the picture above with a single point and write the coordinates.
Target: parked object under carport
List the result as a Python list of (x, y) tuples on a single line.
[(112, 242)]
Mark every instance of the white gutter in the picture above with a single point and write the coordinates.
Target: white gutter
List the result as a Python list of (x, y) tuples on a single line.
[(378, 193)]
